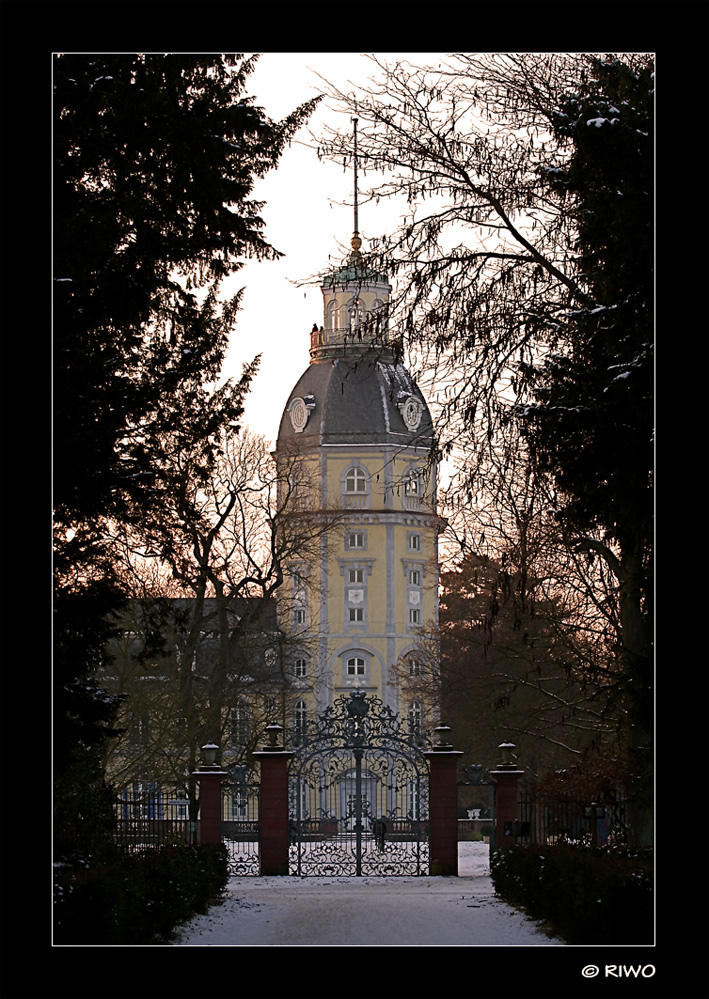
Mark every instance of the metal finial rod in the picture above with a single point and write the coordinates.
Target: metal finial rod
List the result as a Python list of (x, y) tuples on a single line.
[(356, 209)]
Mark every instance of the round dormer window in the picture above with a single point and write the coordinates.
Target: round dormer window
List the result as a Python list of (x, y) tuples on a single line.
[(298, 414), (412, 413)]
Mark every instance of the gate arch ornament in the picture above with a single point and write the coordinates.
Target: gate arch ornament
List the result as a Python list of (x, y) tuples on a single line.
[(358, 793)]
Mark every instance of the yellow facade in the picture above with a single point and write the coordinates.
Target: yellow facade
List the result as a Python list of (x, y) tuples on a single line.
[(358, 447)]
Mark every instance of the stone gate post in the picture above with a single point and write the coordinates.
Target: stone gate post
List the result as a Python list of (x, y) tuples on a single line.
[(443, 808), (210, 776), (273, 848), (506, 776)]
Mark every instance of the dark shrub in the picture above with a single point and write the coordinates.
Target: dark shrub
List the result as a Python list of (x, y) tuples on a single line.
[(138, 899), (585, 896)]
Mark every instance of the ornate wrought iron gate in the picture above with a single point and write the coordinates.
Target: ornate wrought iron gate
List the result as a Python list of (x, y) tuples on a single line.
[(240, 821), (358, 790)]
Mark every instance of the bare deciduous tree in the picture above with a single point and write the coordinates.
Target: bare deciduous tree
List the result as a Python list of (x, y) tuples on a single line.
[(522, 266), (205, 658)]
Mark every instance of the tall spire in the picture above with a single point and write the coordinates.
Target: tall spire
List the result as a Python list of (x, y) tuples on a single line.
[(356, 241), (355, 302)]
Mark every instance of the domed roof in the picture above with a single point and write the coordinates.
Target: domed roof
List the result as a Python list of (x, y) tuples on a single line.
[(359, 400), (354, 271)]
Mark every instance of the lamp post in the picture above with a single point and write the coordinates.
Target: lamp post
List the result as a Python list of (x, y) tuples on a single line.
[(274, 730), (209, 755)]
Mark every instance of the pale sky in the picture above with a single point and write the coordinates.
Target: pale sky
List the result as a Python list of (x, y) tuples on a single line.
[(306, 221)]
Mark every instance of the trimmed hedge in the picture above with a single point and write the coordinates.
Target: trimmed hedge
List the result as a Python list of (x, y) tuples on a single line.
[(585, 896), (138, 899)]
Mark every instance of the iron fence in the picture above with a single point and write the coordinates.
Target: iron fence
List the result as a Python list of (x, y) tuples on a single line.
[(545, 820), (148, 817)]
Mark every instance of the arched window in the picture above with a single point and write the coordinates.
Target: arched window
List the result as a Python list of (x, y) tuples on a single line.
[(299, 573), (240, 724), (333, 315), (379, 317), (355, 317), (355, 484), (300, 720), (356, 666), (413, 488), (300, 667), (413, 484), (416, 717), (355, 481), (299, 485), (414, 665)]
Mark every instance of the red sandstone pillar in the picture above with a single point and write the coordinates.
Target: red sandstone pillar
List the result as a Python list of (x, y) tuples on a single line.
[(273, 817), (210, 776), (443, 809), (506, 776)]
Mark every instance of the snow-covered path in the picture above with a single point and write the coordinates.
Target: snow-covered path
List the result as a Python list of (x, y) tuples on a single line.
[(383, 911)]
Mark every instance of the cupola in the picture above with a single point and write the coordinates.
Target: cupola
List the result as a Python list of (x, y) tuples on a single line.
[(355, 303)]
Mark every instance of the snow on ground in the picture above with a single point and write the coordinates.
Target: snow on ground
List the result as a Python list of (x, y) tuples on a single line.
[(386, 911)]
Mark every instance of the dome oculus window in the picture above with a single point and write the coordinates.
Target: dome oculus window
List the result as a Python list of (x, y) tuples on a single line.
[(299, 410), (411, 410)]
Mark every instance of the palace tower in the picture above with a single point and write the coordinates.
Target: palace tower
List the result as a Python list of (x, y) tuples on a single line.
[(356, 449)]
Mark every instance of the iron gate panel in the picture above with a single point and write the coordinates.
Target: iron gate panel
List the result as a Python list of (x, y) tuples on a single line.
[(241, 822), (358, 794)]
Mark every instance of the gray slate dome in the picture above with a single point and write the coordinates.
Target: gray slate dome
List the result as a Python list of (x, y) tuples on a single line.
[(362, 400)]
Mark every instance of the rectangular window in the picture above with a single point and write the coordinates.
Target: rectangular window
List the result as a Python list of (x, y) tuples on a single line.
[(414, 616), (414, 542), (355, 539), (300, 667), (299, 599), (356, 614), (356, 575), (415, 577)]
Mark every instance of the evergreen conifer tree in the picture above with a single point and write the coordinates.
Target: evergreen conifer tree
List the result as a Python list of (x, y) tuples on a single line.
[(155, 158), (591, 425)]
